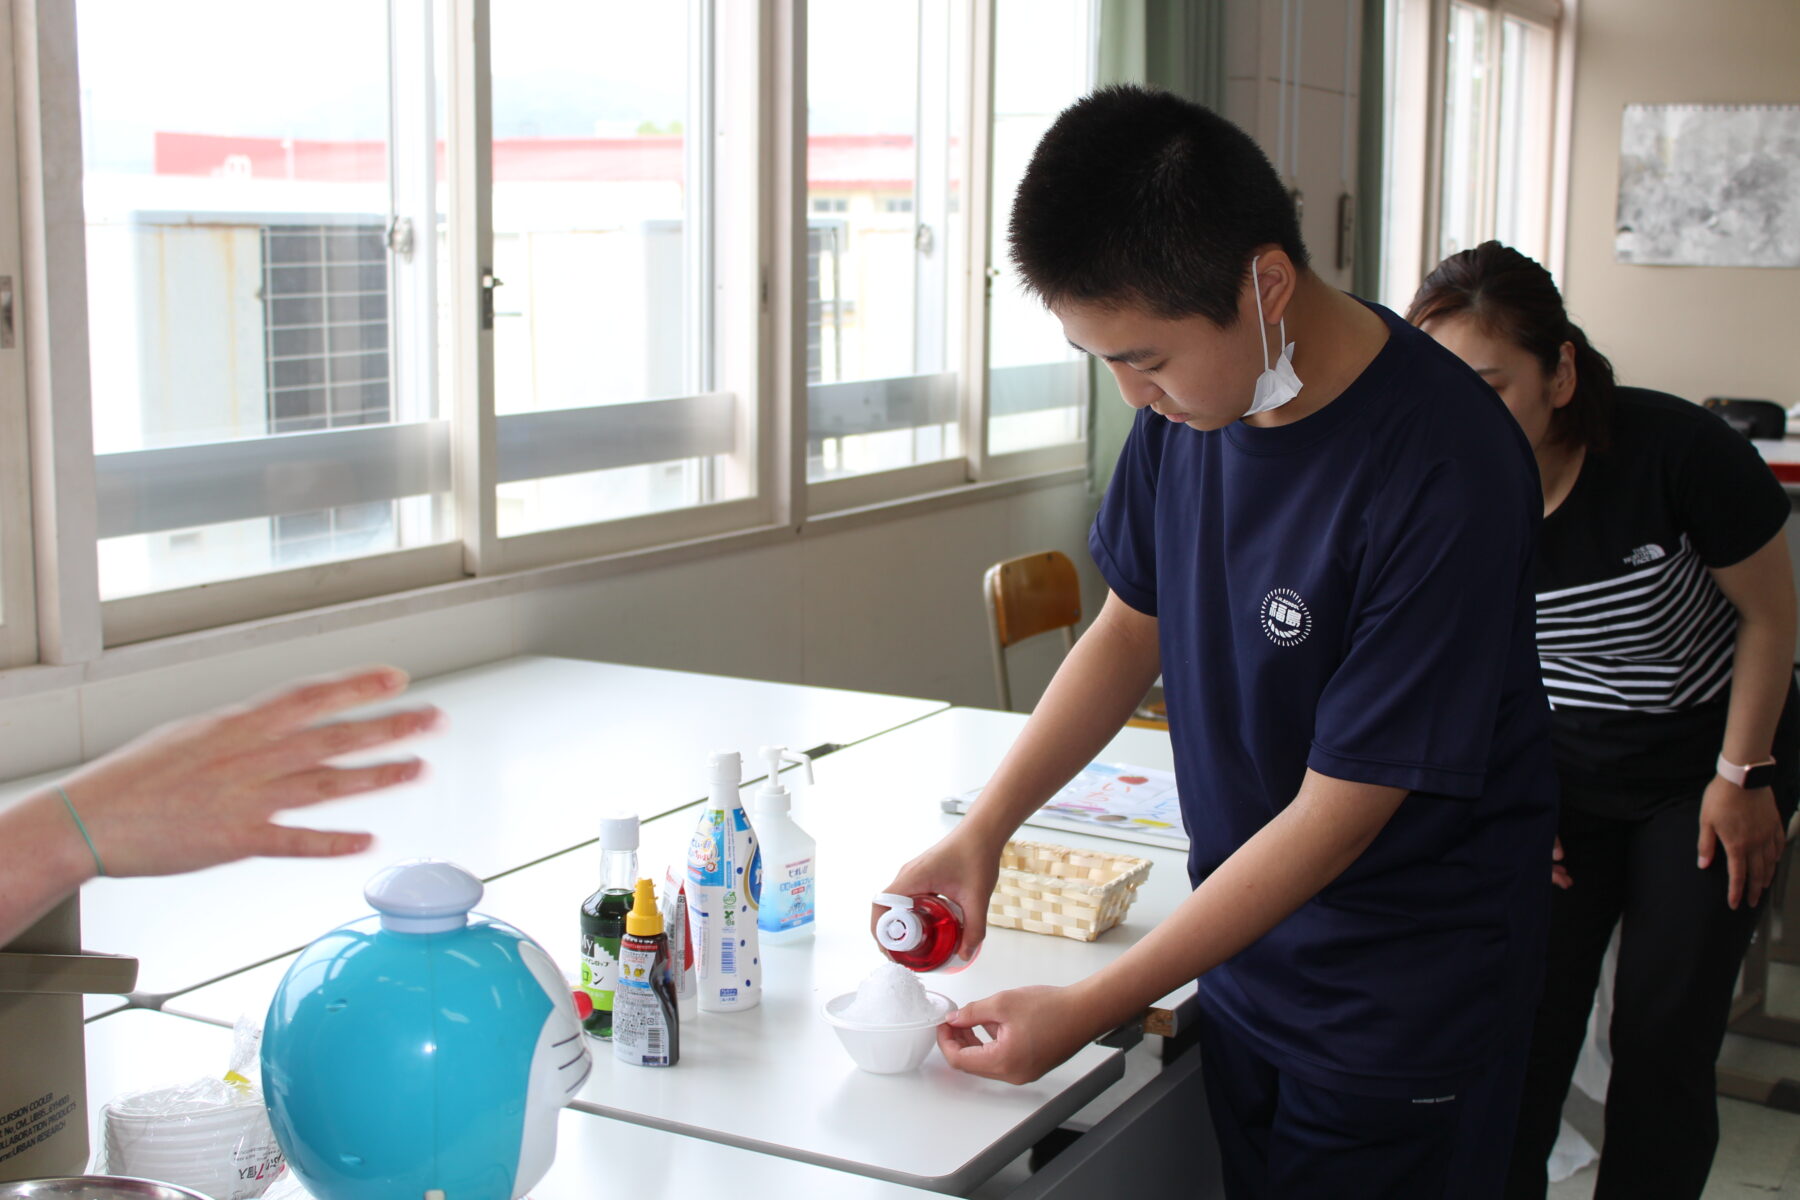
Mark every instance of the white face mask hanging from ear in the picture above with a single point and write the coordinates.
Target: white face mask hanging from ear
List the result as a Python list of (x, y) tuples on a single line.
[(1278, 384)]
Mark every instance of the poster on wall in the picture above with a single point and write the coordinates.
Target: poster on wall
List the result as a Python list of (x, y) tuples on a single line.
[(1709, 185)]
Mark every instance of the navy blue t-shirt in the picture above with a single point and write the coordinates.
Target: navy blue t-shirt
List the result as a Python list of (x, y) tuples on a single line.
[(1352, 592)]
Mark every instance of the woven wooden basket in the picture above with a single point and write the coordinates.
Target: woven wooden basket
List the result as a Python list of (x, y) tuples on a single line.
[(1077, 894)]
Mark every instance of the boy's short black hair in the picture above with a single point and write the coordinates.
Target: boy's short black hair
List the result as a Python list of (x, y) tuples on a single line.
[(1139, 197)]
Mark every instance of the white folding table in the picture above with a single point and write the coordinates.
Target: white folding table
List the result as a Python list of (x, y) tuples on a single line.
[(142, 1050), (533, 752), (775, 1079)]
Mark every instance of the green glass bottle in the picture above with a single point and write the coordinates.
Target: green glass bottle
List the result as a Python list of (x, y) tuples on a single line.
[(603, 920)]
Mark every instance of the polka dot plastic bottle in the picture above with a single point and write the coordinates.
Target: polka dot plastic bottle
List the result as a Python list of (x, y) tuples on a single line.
[(724, 875)]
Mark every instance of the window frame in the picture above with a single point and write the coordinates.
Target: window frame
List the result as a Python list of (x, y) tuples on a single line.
[(724, 80), (985, 464), (53, 321), (476, 459), (60, 497), (1417, 68), (867, 488), (18, 602), (968, 361), (130, 619)]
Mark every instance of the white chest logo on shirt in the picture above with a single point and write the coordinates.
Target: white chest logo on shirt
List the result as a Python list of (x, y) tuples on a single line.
[(1647, 553), (1285, 617)]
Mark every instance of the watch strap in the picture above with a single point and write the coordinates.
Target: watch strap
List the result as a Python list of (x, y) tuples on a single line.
[(1750, 776)]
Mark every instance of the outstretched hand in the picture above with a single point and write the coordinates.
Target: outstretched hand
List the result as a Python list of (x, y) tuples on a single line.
[(204, 791)]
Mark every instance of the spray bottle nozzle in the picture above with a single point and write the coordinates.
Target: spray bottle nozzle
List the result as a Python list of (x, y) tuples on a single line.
[(772, 793), (774, 756)]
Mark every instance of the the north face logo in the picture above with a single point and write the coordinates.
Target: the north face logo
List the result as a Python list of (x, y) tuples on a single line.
[(1647, 553)]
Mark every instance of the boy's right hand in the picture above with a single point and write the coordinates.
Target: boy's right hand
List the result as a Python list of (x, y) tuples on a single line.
[(960, 867)]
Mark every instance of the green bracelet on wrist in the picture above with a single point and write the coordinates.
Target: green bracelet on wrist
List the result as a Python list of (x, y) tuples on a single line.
[(99, 867)]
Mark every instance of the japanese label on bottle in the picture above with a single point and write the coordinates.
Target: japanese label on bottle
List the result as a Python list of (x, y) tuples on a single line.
[(640, 1026), (706, 853), (599, 970), (788, 896)]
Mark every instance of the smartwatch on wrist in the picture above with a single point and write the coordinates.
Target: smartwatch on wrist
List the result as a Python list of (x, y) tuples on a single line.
[(1756, 775)]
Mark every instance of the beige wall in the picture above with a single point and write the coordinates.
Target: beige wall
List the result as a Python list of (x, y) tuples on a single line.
[(1693, 331), (1329, 83)]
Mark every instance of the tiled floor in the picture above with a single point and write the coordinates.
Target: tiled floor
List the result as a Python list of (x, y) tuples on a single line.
[(1759, 1148), (1759, 1153)]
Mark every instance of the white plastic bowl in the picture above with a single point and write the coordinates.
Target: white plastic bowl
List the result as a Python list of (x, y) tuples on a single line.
[(224, 1151), (887, 1049)]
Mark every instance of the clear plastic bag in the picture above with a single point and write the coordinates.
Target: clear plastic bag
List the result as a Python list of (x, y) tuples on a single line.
[(210, 1134)]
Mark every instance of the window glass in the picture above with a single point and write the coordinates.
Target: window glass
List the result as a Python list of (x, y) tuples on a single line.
[(1406, 104), (600, 232), (1521, 216), (1466, 96), (1037, 384), (241, 286), (884, 231)]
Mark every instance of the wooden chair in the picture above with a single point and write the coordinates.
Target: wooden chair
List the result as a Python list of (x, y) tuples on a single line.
[(1026, 596)]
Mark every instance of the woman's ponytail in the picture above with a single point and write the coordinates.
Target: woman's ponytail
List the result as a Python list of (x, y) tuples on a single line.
[(1512, 297)]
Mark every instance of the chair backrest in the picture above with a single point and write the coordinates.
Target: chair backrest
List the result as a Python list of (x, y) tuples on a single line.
[(1026, 596)]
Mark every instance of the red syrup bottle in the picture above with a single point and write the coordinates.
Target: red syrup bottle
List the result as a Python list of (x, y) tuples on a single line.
[(920, 933)]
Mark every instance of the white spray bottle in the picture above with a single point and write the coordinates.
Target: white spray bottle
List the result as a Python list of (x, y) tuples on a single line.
[(724, 877), (785, 912)]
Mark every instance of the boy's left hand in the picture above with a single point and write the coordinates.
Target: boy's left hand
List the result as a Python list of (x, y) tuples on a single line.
[(1033, 1030)]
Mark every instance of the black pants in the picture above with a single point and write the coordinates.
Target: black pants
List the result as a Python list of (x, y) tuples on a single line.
[(1679, 952), (1282, 1138)]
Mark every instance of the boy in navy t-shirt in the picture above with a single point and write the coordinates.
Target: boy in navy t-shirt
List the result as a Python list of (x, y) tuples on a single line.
[(1320, 533)]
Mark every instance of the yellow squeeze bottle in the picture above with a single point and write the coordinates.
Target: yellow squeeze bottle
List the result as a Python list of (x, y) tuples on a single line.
[(646, 1024)]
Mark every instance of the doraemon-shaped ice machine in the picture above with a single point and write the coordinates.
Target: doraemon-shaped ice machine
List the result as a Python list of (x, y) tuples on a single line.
[(423, 1050)]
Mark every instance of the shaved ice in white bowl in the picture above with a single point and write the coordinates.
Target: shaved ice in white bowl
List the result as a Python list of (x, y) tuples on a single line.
[(889, 995), (889, 1023)]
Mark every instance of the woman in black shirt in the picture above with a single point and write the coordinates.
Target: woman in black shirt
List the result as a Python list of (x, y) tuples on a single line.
[(1665, 624)]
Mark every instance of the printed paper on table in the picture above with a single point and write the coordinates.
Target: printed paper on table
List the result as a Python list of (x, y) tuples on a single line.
[(1132, 804)]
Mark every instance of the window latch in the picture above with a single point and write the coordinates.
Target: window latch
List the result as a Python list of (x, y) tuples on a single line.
[(489, 281), (6, 312), (924, 239), (400, 237)]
